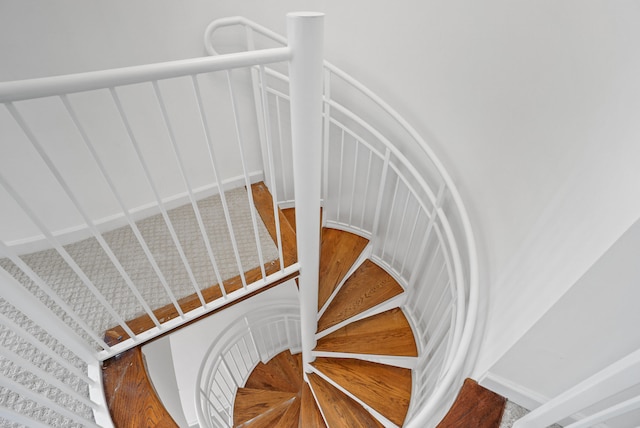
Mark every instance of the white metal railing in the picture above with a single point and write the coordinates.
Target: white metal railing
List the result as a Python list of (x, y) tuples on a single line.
[(252, 338), (381, 180), (85, 154)]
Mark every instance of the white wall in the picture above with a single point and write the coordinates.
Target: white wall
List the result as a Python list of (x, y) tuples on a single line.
[(533, 107), (593, 325)]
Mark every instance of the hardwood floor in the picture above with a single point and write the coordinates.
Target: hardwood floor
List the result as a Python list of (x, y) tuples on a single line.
[(369, 286), (475, 407), (131, 398), (339, 251), (388, 333)]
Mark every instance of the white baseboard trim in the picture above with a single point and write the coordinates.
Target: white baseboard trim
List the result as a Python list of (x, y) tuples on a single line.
[(77, 233), (512, 391)]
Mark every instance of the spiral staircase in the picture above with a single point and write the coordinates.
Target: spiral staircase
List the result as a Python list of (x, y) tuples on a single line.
[(360, 324)]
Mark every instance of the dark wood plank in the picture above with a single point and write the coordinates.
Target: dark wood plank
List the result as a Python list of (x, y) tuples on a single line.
[(387, 389), (368, 287), (310, 416), (339, 409), (130, 395), (264, 205), (339, 251), (251, 403), (388, 333), (475, 407)]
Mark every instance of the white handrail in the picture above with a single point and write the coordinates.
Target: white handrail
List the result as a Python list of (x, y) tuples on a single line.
[(79, 82), (465, 324)]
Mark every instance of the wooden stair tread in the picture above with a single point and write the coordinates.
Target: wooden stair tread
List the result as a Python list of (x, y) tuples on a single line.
[(310, 416), (368, 287), (339, 251), (251, 403), (291, 418), (387, 333), (264, 205), (339, 409), (387, 389), (282, 373), (475, 406), (130, 395), (269, 418)]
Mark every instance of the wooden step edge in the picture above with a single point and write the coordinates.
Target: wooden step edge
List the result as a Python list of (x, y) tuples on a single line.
[(130, 394), (263, 202), (373, 412), (249, 403), (267, 418), (392, 303), (389, 360), (310, 414), (364, 255), (338, 251), (116, 335), (475, 406)]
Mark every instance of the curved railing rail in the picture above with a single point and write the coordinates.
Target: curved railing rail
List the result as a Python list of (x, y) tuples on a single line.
[(382, 180), (254, 337)]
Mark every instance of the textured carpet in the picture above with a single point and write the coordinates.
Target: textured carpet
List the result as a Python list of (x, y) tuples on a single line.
[(95, 263)]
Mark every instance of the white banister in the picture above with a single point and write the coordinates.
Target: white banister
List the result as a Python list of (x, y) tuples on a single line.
[(305, 31)]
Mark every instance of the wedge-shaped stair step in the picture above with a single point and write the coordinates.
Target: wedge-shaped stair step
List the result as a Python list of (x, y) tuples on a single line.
[(368, 287), (386, 389), (282, 373), (251, 403), (388, 333), (291, 418), (310, 416), (339, 251), (339, 409), (272, 417)]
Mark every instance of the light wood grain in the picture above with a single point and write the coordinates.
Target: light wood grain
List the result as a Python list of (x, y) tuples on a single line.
[(130, 395), (251, 403), (388, 333), (386, 389), (310, 416), (339, 409), (338, 253), (368, 287)]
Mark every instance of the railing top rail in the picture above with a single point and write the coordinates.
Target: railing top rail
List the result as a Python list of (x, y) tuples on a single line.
[(472, 283), (58, 85)]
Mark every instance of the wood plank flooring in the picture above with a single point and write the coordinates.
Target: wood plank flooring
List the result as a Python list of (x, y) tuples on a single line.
[(131, 397), (251, 403), (368, 287), (388, 333), (339, 409), (310, 416), (475, 407), (338, 253)]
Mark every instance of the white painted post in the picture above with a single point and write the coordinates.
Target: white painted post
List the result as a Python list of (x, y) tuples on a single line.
[(305, 33)]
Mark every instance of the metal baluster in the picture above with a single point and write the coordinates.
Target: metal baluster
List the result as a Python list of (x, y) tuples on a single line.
[(163, 211), (185, 179), (125, 211)]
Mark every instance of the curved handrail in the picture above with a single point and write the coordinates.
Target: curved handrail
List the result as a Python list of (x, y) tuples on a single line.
[(221, 350), (465, 334)]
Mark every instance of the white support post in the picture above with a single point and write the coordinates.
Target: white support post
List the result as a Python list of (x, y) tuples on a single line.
[(305, 33)]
